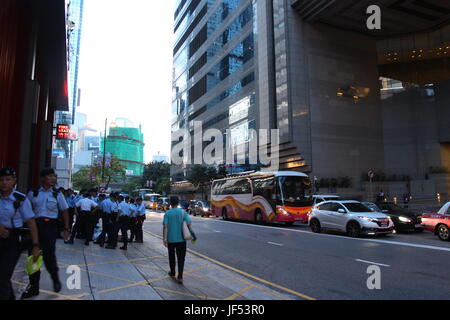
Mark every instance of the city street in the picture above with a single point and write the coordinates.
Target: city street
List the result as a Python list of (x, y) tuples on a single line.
[(324, 266)]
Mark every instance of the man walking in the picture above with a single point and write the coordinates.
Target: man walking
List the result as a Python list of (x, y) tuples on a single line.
[(173, 237), (47, 202), (140, 220), (122, 225)]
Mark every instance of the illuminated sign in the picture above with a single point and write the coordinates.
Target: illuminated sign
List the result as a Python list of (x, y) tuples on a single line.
[(62, 131)]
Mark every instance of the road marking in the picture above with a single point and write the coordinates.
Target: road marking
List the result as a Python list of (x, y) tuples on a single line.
[(373, 263), (217, 231), (241, 272), (276, 244), (398, 243)]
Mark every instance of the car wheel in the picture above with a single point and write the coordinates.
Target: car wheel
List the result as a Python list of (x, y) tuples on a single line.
[(224, 214), (315, 226), (353, 229), (443, 232), (258, 217)]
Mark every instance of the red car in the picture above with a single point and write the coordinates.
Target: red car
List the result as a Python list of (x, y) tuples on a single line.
[(438, 222)]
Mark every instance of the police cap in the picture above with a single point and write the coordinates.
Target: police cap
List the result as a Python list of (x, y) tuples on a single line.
[(7, 172)]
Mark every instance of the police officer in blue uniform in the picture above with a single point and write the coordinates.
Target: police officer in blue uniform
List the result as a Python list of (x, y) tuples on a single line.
[(47, 202), (15, 210)]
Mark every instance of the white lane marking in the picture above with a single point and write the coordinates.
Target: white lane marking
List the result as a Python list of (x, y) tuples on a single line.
[(397, 243), (375, 263), (217, 231), (276, 244)]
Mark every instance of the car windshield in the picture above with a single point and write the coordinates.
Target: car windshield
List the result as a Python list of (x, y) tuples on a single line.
[(356, 207), (372, 206), (204, 203)]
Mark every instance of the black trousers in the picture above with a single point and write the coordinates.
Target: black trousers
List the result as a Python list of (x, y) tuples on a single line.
[(48, 233), (122, 225), (9, 255), (139, 225), (133, 228), (84, 222), (111, 229), (178, 249)]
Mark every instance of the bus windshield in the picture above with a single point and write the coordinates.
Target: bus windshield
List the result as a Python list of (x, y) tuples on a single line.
[(292, 189)]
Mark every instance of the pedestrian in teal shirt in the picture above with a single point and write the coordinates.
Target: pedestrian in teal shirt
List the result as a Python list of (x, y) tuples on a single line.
[(173, 237)]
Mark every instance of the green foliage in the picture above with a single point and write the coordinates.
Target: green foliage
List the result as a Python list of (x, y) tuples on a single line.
[(92, 176), (159, 173)]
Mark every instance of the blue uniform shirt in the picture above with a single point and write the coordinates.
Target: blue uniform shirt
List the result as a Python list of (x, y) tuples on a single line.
[(106, 206), (133, 210), (115, 207), (70, 201), (45, 205), (9, 217), (141, 210), (173, 219), (124, 209)]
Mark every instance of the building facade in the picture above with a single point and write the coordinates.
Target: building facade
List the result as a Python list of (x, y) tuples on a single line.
[(127, 144), (315, 71), (33, 83)]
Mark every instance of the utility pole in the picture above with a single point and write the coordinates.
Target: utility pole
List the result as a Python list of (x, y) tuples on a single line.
[(104, 152)]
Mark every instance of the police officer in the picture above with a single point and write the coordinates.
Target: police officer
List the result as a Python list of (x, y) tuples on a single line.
[(15, 210), (122, 224), (112, 225), (106, 207), (133, 220), (47, 202), (140, 207), (85, 210)]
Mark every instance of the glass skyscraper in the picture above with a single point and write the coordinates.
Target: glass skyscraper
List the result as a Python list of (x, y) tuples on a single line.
[(74, 29)]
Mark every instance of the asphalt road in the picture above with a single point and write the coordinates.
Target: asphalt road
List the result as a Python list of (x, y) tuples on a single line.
[(326, 266)]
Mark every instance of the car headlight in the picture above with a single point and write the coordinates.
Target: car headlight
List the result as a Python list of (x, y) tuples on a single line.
[(405, 219), (205, 209), (367, 219), (283, 211)]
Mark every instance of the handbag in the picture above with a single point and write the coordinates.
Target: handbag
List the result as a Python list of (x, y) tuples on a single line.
[(186, 232)]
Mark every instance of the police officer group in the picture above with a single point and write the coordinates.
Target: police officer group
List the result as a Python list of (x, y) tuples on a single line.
[(36, 220)]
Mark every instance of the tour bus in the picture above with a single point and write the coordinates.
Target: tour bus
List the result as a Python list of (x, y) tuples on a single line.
[(150, 200), (282, 196), (139, 193)]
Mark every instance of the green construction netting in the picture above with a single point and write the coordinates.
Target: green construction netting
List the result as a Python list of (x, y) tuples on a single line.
[(127, 144)]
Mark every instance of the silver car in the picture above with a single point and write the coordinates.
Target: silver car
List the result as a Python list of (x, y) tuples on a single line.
[(351, 217)]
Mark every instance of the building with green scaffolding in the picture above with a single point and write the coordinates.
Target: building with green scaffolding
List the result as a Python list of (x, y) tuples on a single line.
[(127, 144)]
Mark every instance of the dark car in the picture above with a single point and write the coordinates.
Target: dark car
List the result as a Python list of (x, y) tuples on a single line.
[(202, 208), (191, 207), (184, 204), (404, 220)]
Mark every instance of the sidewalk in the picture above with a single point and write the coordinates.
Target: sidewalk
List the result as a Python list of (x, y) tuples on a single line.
[(141, 274)]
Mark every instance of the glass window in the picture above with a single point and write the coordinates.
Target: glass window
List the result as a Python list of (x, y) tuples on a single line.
[(356, 207), (326, 207), (294, 188)]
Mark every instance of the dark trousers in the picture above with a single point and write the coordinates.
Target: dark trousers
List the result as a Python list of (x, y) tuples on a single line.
[(178, 249), (133, 229), (139, 232), (85, 223), (48, 233), (9, 255), (122, 226), (105, 221), (111, 228), (71, 218)]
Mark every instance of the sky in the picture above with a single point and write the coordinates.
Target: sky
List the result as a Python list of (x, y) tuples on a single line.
[(126, 66)]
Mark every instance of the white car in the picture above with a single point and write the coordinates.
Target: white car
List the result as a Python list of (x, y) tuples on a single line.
[(351, 217), (318, 198)]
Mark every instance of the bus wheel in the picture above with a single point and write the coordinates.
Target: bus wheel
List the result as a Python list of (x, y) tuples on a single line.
[(224, 214), (258, 217)]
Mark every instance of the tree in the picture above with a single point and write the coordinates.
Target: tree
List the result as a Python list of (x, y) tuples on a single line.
[(154, 171), (91, 176), (200, 176)]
